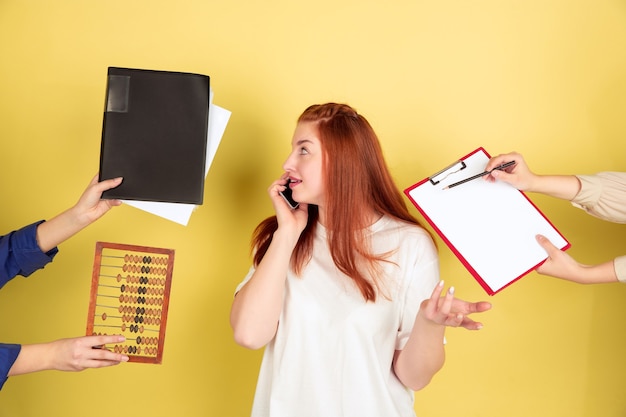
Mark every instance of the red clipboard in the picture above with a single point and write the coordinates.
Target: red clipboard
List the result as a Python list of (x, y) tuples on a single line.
[(490, 227)]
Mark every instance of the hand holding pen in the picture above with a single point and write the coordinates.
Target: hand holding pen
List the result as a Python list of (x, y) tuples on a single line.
[(500, 167), (518, 174)]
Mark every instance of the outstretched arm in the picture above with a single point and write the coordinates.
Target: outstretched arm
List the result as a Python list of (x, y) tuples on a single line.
[(74, 354), (560, 265), (521, 177), (87, 210)]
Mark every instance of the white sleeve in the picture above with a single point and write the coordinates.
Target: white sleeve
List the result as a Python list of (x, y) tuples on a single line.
[(423, 278), (245, 280)]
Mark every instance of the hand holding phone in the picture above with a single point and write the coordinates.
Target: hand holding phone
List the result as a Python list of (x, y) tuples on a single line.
[(288, 198)]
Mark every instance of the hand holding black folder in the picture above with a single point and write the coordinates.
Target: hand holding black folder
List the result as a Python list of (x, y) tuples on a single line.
[(154, 135)]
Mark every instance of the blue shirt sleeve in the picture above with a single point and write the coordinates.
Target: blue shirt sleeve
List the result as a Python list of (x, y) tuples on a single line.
[(8, 355), (20, 254)]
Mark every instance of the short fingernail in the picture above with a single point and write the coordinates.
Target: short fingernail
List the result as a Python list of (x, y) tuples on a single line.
[(451, 290)]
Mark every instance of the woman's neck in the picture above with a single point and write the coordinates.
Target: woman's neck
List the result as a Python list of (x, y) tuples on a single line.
[(371, 217)]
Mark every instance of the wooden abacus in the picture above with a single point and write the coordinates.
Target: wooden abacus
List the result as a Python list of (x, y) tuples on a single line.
[(130, 291)]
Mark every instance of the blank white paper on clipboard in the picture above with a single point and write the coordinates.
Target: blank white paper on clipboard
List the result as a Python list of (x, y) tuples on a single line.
[(490, 226)]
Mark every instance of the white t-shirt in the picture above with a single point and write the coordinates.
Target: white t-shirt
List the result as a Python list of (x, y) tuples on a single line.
[(332, 353)]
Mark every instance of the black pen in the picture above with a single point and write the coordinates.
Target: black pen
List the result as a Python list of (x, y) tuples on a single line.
[(482, 174)]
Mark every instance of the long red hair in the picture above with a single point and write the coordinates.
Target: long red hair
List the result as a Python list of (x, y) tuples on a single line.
[(357, 184)]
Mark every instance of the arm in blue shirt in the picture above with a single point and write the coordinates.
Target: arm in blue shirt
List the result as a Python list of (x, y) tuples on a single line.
[(8, 355), (20, 254)]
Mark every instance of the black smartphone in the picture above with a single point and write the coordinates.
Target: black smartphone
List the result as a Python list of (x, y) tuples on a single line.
[(288, 198)]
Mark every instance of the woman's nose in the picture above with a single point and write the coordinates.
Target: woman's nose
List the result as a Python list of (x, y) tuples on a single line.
[(288, 164)]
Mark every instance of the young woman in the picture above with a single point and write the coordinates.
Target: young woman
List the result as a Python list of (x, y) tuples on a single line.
[(602, 195), (344, 291), (30, 248)]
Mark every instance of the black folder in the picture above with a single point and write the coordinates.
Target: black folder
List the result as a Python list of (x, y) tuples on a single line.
[(154, 134)]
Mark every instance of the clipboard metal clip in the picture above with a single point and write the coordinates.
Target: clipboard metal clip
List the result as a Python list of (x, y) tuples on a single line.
[(444, 173)]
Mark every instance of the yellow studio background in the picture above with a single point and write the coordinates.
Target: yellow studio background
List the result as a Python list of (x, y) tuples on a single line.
[(436, 79)]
